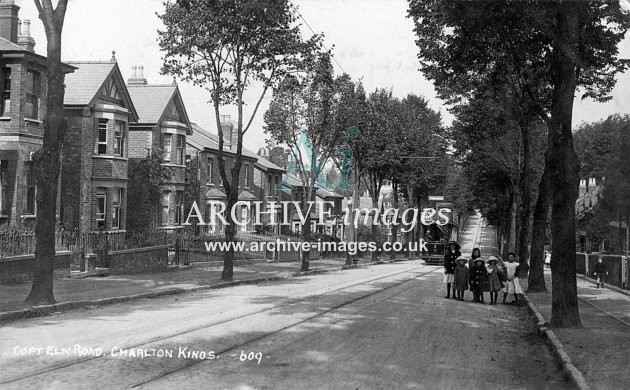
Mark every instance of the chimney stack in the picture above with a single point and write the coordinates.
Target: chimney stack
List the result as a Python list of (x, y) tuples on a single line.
[(137, 76), (591, 184), (9, 20), (24, 39), (582, 187), (230, 134)]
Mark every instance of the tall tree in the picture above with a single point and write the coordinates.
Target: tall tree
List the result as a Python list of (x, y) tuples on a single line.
[(224, 46), (384, 121), (552, 48), (418, 154), (301, 116), (47, 159), (351, 117)]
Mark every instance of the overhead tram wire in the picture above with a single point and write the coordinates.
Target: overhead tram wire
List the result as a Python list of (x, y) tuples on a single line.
[(295, 8)]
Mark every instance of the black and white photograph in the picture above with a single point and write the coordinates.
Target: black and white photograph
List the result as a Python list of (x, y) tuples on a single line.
[(314, 194)]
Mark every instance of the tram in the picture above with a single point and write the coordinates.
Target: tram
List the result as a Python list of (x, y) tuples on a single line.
[(438, 232)]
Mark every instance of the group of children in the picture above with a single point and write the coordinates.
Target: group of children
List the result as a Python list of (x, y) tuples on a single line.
[(461, 273)]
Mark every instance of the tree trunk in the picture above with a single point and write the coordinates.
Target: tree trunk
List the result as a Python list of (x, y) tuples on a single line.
[(526, 202), (351, 228), (374, 228), (306, 234), (536, 278), (513, 219), (230, 236), (507, 228), (46, 165), (564, 169), (394, 237)]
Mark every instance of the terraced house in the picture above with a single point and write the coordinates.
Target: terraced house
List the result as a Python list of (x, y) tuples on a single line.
[(160, 130), (206, 184), (95, 179), (22, 109)]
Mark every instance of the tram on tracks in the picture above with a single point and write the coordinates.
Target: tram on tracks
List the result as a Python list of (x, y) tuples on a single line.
[(439, 231)]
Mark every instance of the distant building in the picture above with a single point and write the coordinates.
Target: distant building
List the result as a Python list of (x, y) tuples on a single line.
[(596, 232)]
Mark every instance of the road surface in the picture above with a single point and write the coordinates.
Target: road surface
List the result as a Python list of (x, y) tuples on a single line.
[(381, 327)]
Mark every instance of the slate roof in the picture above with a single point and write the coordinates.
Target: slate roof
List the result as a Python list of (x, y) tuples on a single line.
[(7, 45), (268, 164), (151, 100), (201, 138), (86, 81)]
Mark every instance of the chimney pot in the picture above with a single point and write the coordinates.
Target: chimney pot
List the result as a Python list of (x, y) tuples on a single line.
[(26, 28), (24, 35), (137, 76)]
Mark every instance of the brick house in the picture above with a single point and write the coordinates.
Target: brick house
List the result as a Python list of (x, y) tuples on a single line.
[(98, 109), (206, 183), (267, 176), (162, 127), (22, 109)]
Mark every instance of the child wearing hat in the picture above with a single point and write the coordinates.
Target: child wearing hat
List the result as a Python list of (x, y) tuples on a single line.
[(462, 274), (478, 276), (494, 279)]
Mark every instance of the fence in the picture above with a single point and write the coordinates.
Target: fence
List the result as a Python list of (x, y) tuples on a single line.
[(100, 245), (15, 243)]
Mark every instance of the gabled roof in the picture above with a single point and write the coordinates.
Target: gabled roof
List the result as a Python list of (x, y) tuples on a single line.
[(151, 101), (84, 85)]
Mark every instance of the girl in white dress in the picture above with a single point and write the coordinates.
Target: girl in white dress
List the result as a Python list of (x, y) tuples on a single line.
[(512, 285)]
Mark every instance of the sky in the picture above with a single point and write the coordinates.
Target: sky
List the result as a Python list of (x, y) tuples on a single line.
[(372, 40)]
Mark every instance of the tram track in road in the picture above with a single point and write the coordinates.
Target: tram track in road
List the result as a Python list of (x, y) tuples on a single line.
[(285, 328), (288, 302)]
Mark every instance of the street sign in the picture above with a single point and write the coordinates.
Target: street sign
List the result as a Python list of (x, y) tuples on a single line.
[(436, 199)]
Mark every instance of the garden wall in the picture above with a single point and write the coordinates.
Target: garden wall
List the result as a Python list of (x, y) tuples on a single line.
[(139, 260), (18, 269)]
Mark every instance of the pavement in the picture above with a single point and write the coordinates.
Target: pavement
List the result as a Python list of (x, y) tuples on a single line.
[(600, 350), (98, 288)]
